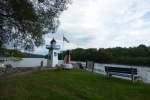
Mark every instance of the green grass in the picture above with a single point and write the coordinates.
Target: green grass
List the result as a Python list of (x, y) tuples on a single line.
[(71, 85)]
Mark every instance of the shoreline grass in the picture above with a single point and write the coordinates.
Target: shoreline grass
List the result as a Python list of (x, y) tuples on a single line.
[(71, 85)]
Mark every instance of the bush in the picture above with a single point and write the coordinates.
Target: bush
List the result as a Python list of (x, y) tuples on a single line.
[(39, 68)]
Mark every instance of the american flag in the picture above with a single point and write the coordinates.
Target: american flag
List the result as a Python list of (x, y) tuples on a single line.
[(64, 39)]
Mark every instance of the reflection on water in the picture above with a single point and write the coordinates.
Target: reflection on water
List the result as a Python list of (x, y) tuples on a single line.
[(144, 72)]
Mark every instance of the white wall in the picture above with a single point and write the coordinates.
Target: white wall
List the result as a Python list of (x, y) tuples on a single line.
[(54, 58)]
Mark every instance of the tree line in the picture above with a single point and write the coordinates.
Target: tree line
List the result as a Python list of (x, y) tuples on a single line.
[(139, 55), (17, 53)]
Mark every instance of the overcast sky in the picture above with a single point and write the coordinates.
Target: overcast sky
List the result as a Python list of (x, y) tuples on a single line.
[(103, 24)]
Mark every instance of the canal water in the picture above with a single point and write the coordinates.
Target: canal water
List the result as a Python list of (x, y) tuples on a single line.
[(144, 72)]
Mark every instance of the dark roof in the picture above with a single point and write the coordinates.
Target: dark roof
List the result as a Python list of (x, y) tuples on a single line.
[(53, 41)]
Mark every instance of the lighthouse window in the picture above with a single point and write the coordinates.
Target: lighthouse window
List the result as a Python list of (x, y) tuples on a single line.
[(49, 56), (55, 53)]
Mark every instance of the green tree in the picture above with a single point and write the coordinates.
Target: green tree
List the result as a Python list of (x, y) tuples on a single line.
[(24, 23), (91, 54), (17, 53), (139, 55)]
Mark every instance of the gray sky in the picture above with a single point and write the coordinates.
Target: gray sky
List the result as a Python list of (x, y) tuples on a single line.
[(103, 24)]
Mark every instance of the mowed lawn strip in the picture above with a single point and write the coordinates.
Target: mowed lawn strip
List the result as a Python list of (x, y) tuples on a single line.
[(71, 85)]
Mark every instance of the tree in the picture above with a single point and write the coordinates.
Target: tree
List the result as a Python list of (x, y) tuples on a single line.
[(17, 53), (24, 23)]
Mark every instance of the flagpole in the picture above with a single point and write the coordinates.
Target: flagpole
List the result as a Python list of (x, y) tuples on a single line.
[(63, 47)]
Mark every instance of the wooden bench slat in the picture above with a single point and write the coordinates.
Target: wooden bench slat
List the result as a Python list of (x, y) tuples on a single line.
[(122, 74), (122, 70)]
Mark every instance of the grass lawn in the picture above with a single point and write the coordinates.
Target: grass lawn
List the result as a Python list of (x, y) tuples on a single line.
[(71, 85)]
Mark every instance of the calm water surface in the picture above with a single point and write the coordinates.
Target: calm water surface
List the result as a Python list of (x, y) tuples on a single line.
[(144, 72), (27, 62)]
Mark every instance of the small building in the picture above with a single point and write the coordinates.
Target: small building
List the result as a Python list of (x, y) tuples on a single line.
[(52, 59)]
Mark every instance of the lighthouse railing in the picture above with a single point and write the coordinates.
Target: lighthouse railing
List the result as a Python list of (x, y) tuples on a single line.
[(52, 46)]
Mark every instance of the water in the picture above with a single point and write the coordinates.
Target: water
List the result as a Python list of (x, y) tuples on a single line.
[(27, 62), (144, 72)]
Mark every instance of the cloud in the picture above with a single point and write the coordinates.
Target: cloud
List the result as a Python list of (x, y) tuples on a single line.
[(103, 24)]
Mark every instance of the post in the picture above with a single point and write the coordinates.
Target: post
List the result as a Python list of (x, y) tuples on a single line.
[(93, 67), (62, 54), (107, 71), (63, 47), (132, 74), (86, 65)]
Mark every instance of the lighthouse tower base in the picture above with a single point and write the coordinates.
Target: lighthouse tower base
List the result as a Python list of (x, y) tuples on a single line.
[(52, 60)]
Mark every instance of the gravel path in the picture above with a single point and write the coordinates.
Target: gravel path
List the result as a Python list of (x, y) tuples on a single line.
[(20, 71)]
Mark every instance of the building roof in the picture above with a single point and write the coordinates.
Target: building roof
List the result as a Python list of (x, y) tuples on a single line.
[(53, 41)]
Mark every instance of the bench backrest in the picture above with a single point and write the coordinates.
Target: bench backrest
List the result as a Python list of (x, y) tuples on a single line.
[(120, 70)]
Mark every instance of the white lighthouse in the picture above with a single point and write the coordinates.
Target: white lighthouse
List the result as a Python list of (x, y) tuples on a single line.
[(52, 59)]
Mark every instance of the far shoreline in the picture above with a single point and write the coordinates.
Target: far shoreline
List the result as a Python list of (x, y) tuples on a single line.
[(13, 58)]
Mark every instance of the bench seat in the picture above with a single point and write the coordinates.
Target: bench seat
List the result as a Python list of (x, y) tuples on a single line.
[(123, 75)]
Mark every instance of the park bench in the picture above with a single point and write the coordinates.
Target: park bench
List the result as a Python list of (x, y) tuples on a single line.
[(123, 72)]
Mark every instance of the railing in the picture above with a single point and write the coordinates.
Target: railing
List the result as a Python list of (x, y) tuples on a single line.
[(52, 46)]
